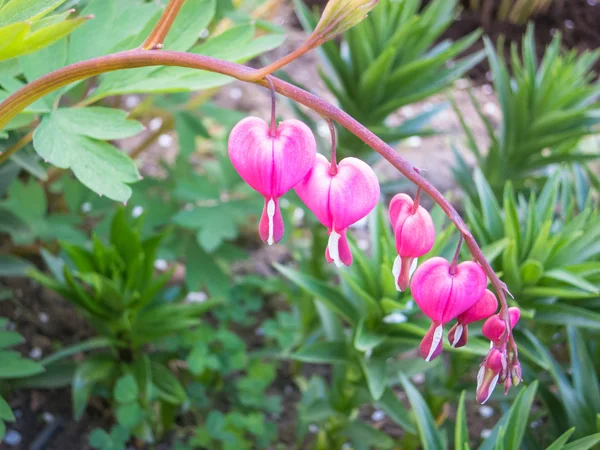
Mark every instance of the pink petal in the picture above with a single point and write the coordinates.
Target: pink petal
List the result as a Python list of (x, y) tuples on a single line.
[(443, 296), (294, 153), (431, 345), (431, 286), (468, 286), (271, 165), (400, 208), (338, 249), (458, 335), (354, 193), (483, 308), (313, 190), (417, 235), (271, 226)]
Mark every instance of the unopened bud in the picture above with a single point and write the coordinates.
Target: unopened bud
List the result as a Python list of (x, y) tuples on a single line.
[(339, 15)]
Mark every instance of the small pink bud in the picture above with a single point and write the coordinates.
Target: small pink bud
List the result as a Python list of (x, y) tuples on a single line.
[(489, 374), (272, 164), (494, 327), (443, 293), (415, 236), (339, 200), (484, 307), (515, 373)]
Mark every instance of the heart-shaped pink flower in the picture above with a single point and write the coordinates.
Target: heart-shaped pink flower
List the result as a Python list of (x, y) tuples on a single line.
[(339, 199), (444, 291), (272, 164), (415, 236)]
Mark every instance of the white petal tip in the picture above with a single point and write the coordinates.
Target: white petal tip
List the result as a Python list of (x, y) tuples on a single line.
[(270, 214), (333, 247)]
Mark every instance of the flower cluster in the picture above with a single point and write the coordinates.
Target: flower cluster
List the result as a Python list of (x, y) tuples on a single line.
[(274, 159)]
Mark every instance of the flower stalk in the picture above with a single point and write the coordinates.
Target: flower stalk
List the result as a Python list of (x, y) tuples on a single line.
[(140, 57)]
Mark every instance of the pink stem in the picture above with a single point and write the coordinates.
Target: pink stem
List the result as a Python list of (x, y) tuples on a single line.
[(333, 170)]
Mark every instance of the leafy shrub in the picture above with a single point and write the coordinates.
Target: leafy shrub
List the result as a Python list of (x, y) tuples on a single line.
[(115, 287), (545, 247), (546, 106), (13, 367), (389, 60)]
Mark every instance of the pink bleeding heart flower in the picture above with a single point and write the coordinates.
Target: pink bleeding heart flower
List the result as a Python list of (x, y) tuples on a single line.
[(415, 236), (339, 198), (484, 307), (443, 291), (494, 327), (272, 163), (489, 374)]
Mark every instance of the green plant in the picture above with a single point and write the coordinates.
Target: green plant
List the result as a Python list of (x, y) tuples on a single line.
[(547, 107), (115, 287), (545, 247), (389, 60), (365, 361), (12, 366)]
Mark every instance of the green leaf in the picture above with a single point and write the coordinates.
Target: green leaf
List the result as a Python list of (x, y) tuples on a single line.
[(331, 297), (97, 164), (26, 10), (169, 388), (10, 339), (90, 344), (431, 438), (583, 371), (396, 411), (87, 374), (376, 375), (5, 411), (559, 443), (322, 353), (362, 434), (583, 443), (126, 389), (461, 429), (129, 415), (97, 122), (193, 18), (13, 266), (558, 314)]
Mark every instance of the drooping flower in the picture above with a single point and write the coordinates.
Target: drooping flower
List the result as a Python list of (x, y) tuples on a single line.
[(484, 307), (494, 327), (415, 235), (443, 291), (339, 197), (272, 161), (490, 372)]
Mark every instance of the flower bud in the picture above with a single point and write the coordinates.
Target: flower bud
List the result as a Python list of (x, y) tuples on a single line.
[(442, 293), (495, 327), (339, 15), (272, 163), (489, 374), (415, 236), (339, 199), (485, 307)]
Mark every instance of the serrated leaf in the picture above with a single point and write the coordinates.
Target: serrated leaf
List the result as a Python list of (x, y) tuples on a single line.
[(97, 164)]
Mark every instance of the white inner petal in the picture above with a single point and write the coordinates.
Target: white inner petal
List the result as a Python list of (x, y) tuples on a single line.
[(457, 335), (396, 271), (413, 267), (333, 247), (271, 214), (438, 334), (480, 376), (492, 387)]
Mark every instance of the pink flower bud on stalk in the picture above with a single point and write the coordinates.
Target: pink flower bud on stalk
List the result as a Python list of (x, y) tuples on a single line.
[(485, 307), (443, 291), (494, 328), (272, 160), (490, 372), (415, 235), (338, 16), (339, 195)]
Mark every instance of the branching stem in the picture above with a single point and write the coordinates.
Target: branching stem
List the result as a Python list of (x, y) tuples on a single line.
[(158, 34)]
